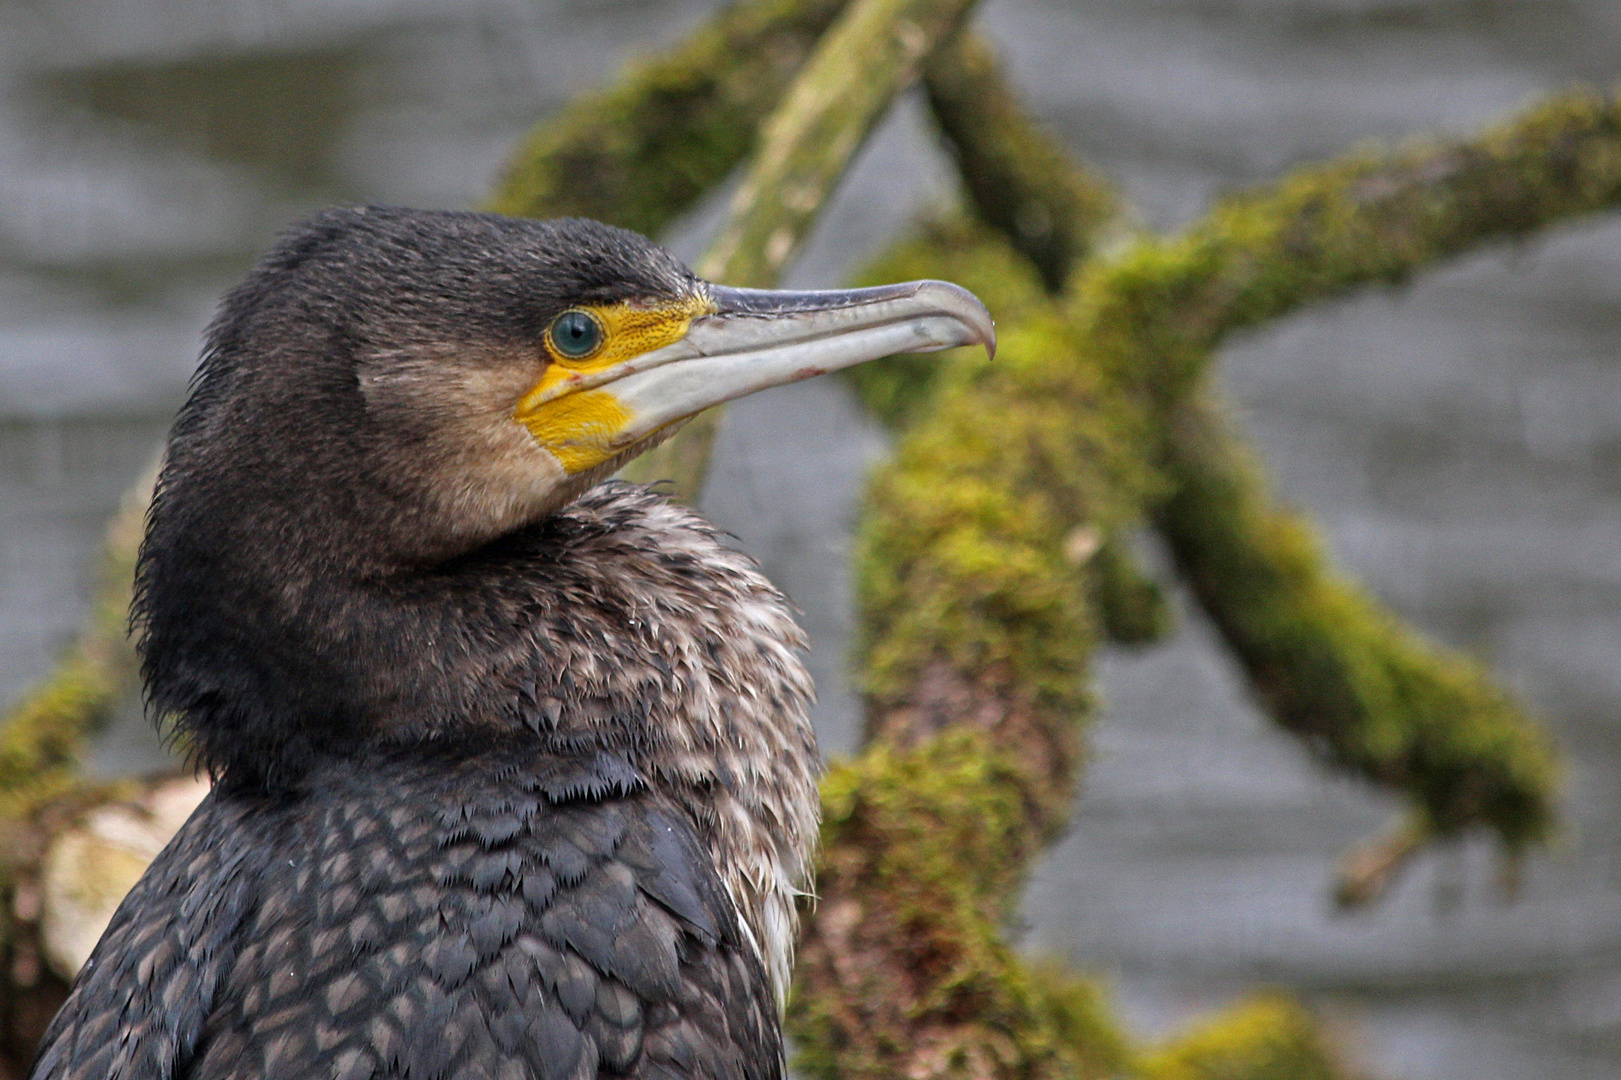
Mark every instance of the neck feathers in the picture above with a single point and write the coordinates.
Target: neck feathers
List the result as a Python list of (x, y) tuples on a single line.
[(620, 622)]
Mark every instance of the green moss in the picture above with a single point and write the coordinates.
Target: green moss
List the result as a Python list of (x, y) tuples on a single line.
[(1336, 668), (938, 837), (1270, 1037), (1131, 604), (897, 390), (905, 969), (1158, 310), (939, 824), (927, 833), (1018, 179), (962, 554), (642, 152), (1332, 665), (868, 56), (1008, 475), (1080, 1019), (42, 735)]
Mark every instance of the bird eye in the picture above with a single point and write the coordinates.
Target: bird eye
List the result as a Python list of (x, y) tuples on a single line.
[(576, 334)]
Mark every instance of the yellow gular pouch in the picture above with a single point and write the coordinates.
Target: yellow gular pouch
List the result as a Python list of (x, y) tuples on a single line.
[(580, 426)]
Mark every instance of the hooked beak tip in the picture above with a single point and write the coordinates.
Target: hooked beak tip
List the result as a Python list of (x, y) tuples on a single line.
[(968, 310)]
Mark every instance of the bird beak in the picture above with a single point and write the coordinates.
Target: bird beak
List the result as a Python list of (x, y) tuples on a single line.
[(759, 338), (743, 340)]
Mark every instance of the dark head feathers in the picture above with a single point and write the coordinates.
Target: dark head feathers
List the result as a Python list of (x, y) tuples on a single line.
[(377, 273), (350, 432)]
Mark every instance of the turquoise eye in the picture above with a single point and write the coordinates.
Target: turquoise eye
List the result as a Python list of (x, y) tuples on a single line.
[(575, 334)]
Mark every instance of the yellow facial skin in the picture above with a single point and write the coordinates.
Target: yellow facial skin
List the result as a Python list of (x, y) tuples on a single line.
[(579, 425)]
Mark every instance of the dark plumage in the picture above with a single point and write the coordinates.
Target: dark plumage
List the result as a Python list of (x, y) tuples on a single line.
[(431, 915), (513, 777)]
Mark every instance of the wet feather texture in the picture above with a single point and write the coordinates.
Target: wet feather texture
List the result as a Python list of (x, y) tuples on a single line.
[(257, 951)]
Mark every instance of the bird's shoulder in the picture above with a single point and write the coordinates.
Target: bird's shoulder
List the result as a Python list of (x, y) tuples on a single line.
[(143, 996), (535, 915)]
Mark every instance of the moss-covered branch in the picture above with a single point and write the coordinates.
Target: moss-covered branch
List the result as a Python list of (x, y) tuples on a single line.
[(869, 55), (43, 734), (1335, 668), (979, 625), (977, 628), (1372, 217), (1054, 212), (1157, 312), (1269, 1037), (903, 971), (975, 641), (42, 742), (1017, 177), (643, 151)]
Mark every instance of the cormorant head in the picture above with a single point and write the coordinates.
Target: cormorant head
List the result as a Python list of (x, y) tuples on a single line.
[(387, 396), (433, 380)]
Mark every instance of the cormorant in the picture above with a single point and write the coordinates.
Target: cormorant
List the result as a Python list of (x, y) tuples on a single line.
[(513, 777)]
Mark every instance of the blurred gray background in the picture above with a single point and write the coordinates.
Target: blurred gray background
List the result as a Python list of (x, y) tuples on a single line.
[(1460, 439)]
